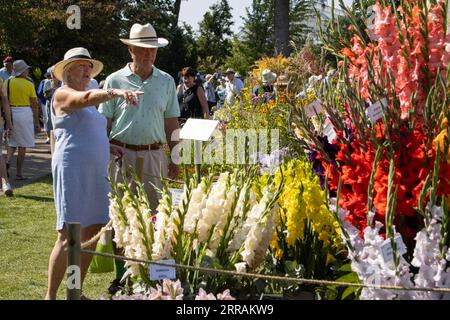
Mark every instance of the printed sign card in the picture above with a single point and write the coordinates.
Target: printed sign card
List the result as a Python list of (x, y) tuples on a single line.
[(328, 130), (198, 129), (177, 195), (161, 272), (375, 111)]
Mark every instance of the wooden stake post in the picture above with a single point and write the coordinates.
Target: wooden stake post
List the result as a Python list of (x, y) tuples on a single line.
[(73, 261)]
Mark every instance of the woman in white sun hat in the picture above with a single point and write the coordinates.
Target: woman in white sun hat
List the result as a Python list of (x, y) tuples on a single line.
[(81, 157), (267, 91)]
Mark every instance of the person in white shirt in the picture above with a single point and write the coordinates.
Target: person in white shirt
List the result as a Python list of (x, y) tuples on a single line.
[(234, 87)]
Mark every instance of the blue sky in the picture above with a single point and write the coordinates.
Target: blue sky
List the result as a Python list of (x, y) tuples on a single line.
[(192, 11)]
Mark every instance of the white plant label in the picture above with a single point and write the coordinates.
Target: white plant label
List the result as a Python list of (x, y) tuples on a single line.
[(375, 111), (161, 272), (386, 248), (328, 130), (177, 196)]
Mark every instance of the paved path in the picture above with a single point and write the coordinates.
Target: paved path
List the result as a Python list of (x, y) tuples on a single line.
[(37, 163)]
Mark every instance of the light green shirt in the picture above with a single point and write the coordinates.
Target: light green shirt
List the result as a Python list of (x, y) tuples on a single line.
[(144, 123)]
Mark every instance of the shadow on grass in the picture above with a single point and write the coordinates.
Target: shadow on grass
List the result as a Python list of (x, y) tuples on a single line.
[(35, 198), (47, 179)]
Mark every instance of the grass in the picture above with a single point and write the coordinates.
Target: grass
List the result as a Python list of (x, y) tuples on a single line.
[(27, 236)]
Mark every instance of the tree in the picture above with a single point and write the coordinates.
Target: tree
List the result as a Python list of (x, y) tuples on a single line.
[(256, 37), (180, 52), (176, 9), (257, 31), (281, 27), (213, 43), (299, 13), (36, 31), (242, 56)]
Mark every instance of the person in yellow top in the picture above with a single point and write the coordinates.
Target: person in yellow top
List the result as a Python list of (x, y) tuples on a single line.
[(25, 114), (5, 123)]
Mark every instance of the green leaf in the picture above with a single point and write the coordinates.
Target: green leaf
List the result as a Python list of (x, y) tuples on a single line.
[(290, 267), (349, 291), (346, 267), (350, 277)]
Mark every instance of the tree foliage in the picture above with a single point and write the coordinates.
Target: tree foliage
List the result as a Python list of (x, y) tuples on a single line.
[(36, 31), (214, 44), (257, 37)]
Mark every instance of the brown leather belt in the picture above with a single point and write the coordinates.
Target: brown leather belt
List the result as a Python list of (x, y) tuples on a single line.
[(154, 146)]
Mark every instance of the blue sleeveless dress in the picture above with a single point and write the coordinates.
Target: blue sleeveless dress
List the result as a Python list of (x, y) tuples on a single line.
[(80, 167)]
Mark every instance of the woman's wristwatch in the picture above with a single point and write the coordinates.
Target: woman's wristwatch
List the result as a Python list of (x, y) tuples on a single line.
[(110, 92)]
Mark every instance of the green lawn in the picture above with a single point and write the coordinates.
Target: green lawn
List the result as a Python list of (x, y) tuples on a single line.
[(27, 235)]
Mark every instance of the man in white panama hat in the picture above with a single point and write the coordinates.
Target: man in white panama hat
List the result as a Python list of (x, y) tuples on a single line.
[(234, 87), (141, 132)]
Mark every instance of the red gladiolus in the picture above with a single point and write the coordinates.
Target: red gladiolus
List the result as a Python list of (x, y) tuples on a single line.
[(411, 170)]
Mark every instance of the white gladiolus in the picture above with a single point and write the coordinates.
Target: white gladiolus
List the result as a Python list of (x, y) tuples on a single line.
[(222, 219), (261, 227), (213, 210), (250, 226), (370, 265), (430, 261), (237, 224), (118, 225), (163, 235), (128, 236), (196, 205)]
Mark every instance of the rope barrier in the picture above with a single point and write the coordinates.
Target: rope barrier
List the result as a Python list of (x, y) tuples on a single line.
[(268, 277)]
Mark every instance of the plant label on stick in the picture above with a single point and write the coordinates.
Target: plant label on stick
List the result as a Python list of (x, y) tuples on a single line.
[(162, 272), (375, 111), (386, 248), (328, 130), (177, 196)]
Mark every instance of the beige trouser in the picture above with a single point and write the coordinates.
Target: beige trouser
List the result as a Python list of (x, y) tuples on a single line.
[(155, 166)]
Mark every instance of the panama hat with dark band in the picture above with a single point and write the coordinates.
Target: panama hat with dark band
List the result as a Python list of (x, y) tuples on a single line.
[(144, 36)]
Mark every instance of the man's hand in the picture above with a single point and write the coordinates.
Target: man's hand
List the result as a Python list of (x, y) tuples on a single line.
[(173, 171), (116, 151)]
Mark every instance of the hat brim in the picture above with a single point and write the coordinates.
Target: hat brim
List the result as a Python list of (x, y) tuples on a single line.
[(58, 71), (161, 42), (270, 77), (16, 74)]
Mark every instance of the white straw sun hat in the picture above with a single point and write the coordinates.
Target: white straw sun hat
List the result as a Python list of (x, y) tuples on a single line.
[(77, 54), (144, 36), (268, 76), (19, 67)]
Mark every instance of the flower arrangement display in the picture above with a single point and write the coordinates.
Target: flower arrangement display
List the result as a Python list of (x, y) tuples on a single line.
[(380, 146), (302, 199), (217, 224)]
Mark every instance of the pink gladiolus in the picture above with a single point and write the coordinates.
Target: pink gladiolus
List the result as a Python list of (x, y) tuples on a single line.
[(404, 59)]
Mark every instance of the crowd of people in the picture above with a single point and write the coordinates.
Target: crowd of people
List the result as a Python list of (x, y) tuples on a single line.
[(132, 116)]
